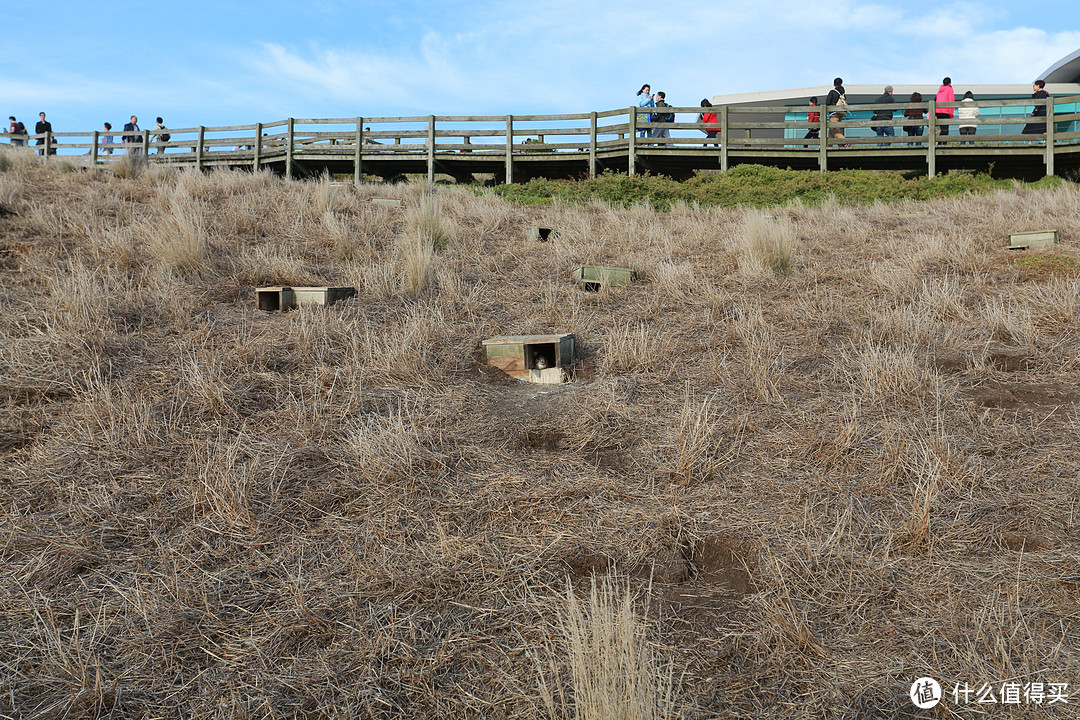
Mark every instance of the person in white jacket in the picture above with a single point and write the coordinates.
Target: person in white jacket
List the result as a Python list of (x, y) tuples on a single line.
[(966, 114)]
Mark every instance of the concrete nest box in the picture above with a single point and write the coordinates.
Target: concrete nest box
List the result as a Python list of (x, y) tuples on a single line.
[(283, 297), (534, 358), (387, 202), (1037, 238), (593, 277), (543, 234)]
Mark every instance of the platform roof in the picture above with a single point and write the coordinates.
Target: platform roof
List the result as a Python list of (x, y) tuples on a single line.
[(1065, 70)]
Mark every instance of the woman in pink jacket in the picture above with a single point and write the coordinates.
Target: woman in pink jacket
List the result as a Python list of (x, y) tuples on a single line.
[(945, 95)]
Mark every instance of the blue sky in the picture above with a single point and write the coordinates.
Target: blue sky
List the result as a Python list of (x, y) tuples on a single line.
[(225, 63)]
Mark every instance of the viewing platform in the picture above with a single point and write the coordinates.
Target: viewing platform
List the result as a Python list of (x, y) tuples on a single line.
[(516, 148)]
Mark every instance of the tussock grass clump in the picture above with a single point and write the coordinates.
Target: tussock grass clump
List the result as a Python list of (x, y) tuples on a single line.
[(179, 241), (130, 166), (426, 221), (613, 672), (766, 245)]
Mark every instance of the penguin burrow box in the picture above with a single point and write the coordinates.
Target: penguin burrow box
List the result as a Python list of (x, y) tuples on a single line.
[(543, 234), (287, 298), (593, 277), (534, 358)]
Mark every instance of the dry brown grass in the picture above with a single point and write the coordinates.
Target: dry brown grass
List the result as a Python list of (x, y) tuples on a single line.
[(838, 479)]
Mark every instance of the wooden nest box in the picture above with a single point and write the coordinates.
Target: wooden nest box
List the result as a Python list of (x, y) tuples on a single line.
[(543, 234), (1037, 238), (534, 358), (592, 277), (288, 298)]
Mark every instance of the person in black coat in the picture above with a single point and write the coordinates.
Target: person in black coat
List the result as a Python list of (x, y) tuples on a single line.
[(1040, 110), (132, 126), (43, 126)]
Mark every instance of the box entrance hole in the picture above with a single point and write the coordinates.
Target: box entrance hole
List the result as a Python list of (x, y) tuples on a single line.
[(540, 356), (269, 300), (543, 234), (589, 286)]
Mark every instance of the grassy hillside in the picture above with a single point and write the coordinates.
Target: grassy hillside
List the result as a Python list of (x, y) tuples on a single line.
[(810, 456)]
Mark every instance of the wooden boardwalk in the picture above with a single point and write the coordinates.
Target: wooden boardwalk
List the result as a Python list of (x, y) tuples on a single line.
[(516, 148)]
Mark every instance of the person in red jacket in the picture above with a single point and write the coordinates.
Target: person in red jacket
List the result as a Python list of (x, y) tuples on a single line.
[(813, 118), (945, 94), (708, 117)]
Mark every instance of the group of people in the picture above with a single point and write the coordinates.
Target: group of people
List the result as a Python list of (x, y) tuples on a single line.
[(17, 131), (967, 112), (646, 98), (16, 128)]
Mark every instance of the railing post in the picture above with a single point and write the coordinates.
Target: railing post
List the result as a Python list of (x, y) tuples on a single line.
[(289, 149), (431, 149), (199, 149), (592, 146), (931, 139), (724, 138), (94, 150), (358, 157), (146, 143), (509, 149), (257, 159), (823, 141), (631, 151), (1049, 136), (48, 143)]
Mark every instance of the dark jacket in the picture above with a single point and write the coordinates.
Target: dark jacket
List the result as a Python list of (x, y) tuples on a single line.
[(835, 94), (1040, 110), (881, 113), (130, 127), (663, 117)]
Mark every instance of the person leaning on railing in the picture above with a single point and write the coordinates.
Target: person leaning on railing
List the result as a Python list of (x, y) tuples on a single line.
[(711, 131), (914, 114), (967, 113), (16, 128)]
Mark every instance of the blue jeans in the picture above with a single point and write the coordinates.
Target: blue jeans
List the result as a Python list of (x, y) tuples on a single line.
[(889, 131)]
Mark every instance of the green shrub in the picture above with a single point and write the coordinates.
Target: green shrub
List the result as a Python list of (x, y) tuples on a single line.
[(755, 186)]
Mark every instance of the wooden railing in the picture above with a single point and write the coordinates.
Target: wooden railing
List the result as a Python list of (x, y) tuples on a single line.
[(745, 132)]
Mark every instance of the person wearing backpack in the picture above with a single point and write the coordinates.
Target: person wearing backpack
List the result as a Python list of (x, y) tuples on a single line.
[(162, 136), (663, 117), (16, 128), (838, 97)]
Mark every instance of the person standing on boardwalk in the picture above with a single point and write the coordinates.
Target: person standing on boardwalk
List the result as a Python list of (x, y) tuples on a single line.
[(837, 96), (162, 136), (914, 114), (813, 118), (132, 126), (16, 128), (43, 126), (645, 99), (882, 114), (665, 117), (945, 94), (1040, 110), (967, 114), (709, 120), (107, 140)]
